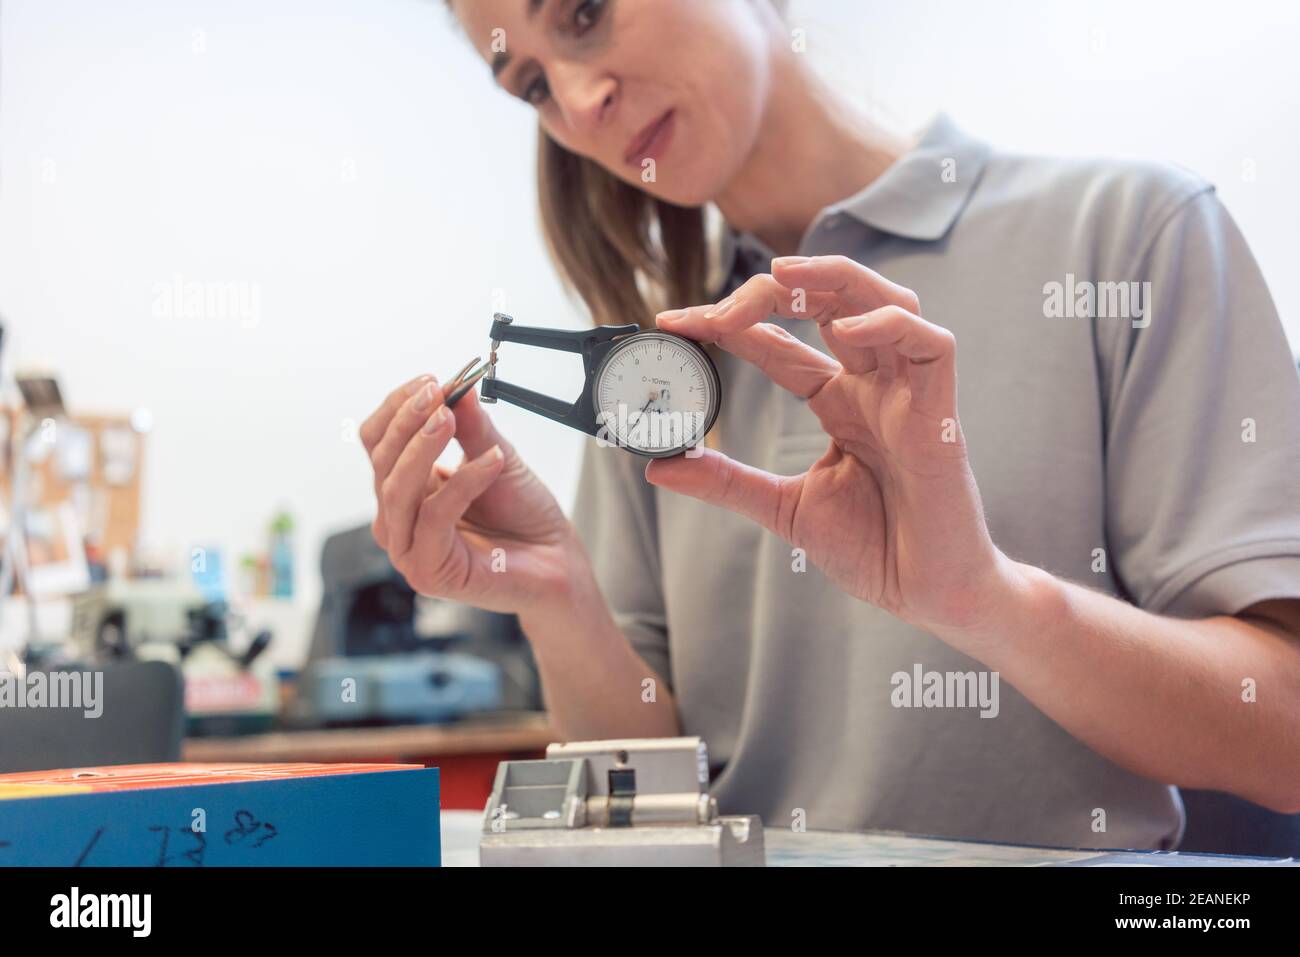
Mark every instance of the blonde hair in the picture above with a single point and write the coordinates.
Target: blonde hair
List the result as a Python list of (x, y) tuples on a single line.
[(627, 254)]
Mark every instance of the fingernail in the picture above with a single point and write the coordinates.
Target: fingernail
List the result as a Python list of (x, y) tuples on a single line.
[(671, 315), (425, 398), (415, 386), (720, 308), (847, 323), (789, 261), (436, 421), (492, 456)]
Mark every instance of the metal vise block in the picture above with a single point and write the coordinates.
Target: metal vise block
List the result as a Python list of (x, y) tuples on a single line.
[(636, 802)]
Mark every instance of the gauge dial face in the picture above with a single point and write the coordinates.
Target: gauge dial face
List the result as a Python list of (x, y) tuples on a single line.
[(656, 394)]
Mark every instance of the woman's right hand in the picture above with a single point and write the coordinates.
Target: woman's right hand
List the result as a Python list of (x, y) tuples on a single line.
[(487, 532)]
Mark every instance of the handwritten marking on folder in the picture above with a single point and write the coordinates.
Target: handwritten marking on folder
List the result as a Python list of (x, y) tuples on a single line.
[(183, 846)]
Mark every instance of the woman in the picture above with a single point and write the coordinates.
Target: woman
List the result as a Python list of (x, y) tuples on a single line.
[(866, 635)]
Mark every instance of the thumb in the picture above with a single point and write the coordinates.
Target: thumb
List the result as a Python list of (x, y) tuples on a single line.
[(474, 428), (714, 478)]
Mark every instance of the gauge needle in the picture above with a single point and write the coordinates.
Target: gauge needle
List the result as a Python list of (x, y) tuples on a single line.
[(648, 403)]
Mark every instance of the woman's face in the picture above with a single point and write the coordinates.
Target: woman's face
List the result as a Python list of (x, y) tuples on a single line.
[(668, 95)]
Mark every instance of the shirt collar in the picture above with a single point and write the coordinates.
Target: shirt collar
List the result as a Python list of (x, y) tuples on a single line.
[(919, 197), (924, 192)]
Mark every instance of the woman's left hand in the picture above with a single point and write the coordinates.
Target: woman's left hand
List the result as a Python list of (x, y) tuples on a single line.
[(890, 512)]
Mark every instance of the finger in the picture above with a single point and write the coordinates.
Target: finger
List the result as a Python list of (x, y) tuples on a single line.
[(475, 431), (404, 489), (714, 478), (372, 430), (756, 300), (855, 287), (799, 287), (437, 477), (741, 329), (439, 513), (759, 298), (372, 433), (405, 423), (929, 352), (782, 357)]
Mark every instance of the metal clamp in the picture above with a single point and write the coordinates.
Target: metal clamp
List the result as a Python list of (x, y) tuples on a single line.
[(624, 802)]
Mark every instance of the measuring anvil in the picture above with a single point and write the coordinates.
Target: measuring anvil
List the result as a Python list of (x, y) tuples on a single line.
[(637, 802)]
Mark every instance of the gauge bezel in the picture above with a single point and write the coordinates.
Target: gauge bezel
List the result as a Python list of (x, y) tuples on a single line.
[(710, 371)]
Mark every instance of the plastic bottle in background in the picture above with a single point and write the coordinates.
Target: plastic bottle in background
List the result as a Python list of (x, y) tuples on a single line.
[(248, 575), (282, 556)]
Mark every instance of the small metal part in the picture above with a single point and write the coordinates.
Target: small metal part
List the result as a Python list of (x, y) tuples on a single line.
[(498, 318), (466, 379), (622, 794), (491, 369)]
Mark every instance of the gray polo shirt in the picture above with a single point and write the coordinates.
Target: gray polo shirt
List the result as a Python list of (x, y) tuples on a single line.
[(1148, 449)]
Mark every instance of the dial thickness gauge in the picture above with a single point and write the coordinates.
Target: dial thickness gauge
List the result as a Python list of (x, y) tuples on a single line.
[(656, 394), (653, 393)]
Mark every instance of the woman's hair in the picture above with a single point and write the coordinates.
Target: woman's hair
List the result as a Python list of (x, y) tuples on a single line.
[(626, 253)]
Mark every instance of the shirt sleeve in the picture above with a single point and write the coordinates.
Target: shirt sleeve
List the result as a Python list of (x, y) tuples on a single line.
[(614, 514), (1203, 428)]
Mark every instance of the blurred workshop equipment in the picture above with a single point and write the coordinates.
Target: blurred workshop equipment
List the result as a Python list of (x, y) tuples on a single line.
[(69, 502), (229, 689), (381, 653), (142, 720)]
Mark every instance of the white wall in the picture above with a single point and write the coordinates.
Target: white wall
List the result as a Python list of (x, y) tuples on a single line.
[(349, 161)]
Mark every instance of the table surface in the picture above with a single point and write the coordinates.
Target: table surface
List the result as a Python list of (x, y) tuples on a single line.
[(525, 732), (785, 848)]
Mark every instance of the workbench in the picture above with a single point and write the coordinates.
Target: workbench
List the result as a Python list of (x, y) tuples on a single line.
[(785, 848), (468, 753)]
